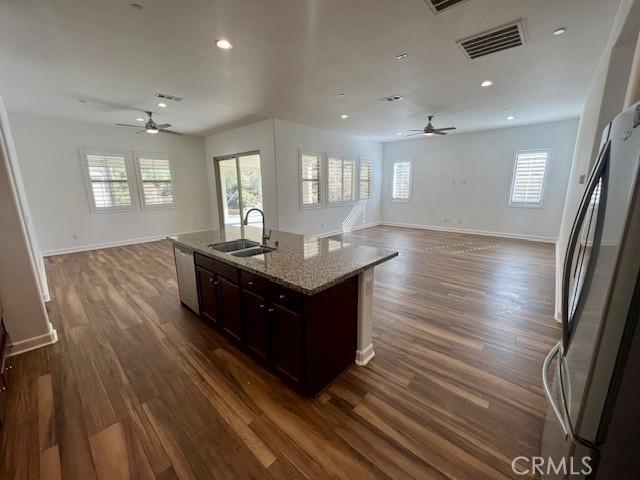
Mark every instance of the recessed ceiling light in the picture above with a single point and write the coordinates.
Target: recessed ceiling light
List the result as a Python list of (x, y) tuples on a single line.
[(344, 116), (510, 117), (400, 134), (486, 83), (402, 56), (162, 105), (224, 44), (560, 31), (140, 119)]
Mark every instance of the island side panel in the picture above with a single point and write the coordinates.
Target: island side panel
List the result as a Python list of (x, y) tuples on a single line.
[(364, 352), (330, 334)]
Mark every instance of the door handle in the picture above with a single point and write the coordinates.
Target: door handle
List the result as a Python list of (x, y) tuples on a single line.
[(547, 391)]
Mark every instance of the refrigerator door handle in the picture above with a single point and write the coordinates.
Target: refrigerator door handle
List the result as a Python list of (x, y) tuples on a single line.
[(547, 391)]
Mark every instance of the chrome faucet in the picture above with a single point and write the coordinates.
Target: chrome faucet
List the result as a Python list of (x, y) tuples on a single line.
[(265, 236)]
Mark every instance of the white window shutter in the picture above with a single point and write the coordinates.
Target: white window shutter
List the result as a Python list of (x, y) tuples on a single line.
[(528, 178), (401, 187), (156, 182)]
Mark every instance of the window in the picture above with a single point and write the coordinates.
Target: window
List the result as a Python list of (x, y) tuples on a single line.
[(527, 186), (366, 179), (310, 178), (341, 177), (401, 185), (107, 179), (155, 181)]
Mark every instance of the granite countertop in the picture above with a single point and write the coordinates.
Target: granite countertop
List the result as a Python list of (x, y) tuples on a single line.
[(303, 263)]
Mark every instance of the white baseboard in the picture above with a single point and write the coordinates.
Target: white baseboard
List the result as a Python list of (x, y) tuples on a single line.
[(355, 227), (32, 343), (119, 243), (532, 238), (364, 356)]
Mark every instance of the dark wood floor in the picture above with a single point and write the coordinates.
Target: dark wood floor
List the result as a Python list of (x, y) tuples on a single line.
[(138, 387)]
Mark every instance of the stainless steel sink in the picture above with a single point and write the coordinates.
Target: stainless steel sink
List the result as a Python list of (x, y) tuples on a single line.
[(233, 245), (250, 252)]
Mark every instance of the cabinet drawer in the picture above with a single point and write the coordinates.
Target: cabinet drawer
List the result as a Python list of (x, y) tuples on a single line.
[(286, 297), (222, 269), (255, 284)]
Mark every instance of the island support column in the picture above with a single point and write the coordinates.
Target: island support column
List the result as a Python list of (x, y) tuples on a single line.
[(364, 351)]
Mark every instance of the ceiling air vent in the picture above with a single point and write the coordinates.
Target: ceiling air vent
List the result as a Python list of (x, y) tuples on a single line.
[(438, 6), (166, 96), (391, 98), (492, 41)]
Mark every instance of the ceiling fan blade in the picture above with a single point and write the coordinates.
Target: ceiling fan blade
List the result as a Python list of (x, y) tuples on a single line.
[(416, 130), (438, 132), (448, 128), (414, 134), (126, 125), (164, 125), (169, 131), (141, 131)]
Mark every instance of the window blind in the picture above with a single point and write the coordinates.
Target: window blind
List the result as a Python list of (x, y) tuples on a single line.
[(109, 182), (341, 176), (156, 182), (528, 178), (310, 179), (366, 174), (401, 188)]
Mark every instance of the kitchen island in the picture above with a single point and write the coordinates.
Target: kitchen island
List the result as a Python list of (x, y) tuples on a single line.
[(300, 305)]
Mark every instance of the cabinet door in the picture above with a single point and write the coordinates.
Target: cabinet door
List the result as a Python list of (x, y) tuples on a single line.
[(286, 338), (208, 294), (256, 321), (230, 308)]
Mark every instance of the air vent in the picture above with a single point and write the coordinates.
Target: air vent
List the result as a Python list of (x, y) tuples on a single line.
[(438, 6), (166, 96), (392, 98), (492, 41)]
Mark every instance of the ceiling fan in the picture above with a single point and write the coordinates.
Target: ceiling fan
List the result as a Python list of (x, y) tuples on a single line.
[(430, 130), (151, 126)]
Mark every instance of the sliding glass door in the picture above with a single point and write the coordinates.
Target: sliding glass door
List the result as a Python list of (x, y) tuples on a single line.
[(239, 183)]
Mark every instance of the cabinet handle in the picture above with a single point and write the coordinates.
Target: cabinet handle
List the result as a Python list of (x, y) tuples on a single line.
[(262, 305), (251, 284), (282, 296), (211, 279), (216, 283), (270, 310)]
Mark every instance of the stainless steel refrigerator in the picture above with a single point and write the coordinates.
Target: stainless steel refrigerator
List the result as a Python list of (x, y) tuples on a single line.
[(583, 373)]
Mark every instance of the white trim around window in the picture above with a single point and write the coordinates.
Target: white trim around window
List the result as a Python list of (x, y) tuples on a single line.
[(402, 180), (529, 178), (156, 180), (340, 168), (108, 178), (310, 179), (365, 178)]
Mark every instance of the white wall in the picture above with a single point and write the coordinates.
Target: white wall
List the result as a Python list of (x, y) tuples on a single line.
[(257, 136), (53, 178), (279, 142), (465, 178), (290, 138), (604, 101)]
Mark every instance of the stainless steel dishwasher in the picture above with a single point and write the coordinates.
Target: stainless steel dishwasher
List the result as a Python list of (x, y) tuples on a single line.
[(186, 272)]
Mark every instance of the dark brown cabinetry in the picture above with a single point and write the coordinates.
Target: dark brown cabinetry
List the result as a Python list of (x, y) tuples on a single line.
[(308, 340), (230, 308), (207, 294)]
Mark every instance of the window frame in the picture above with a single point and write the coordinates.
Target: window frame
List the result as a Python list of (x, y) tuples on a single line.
[(354, 182), (137, 155), (321, 188), (408, 199), (86, 151), (514, 168), (365, 161)]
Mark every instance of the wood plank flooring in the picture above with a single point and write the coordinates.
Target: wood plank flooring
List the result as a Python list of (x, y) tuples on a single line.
[(139, 387)]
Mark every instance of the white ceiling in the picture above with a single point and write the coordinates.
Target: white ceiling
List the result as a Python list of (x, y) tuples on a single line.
[(291, 59)]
